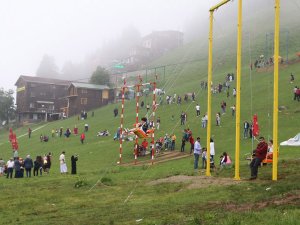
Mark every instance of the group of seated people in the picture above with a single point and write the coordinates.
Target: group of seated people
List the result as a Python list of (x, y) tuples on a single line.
[(103, 133)]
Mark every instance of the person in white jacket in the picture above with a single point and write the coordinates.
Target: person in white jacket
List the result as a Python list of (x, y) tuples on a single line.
[(212, 149)]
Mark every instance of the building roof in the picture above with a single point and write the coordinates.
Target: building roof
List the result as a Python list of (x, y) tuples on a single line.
[(44, 80), (161, 33), (89, 86)]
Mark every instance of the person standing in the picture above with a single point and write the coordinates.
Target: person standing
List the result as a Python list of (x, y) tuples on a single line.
[(212, 149), (295, 92), (17, 166), (10, 168), (86, 127), (192, 142), (116, 112), (203, 121), (74, 159), (157, 123), (47, 165), (173, 141), (60, 131), (29, 132), (82, 138), (197, 152), (147, 107), (292, 78), (63, 165), (198, 110), (234, 92), (218, 119), (2, 165), (38, 165), (246, 129), (233, 110), (259, 155), (182, 144), (28, 164), (182, 118)]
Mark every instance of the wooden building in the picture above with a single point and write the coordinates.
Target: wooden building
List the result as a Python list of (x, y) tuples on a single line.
[(39, 98), (86, 97)]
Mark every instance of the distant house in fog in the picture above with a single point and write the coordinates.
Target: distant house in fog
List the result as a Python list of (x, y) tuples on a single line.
[(39, 98), (160, 42), (151, 47), (85, 97)]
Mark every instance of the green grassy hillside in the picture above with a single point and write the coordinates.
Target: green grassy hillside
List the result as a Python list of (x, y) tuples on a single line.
[(116, 194)]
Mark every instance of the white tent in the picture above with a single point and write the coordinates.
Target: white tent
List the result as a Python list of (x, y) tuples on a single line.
[(295, 141)]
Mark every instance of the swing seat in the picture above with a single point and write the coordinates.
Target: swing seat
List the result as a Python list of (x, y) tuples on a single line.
[(269, 158), (141, 134)]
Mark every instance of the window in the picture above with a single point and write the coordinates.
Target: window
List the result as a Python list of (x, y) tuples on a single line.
[(43, 94), (32, 94), (51, 107), (32, 85), (83, 91), (105, 94), (83, 101), (31, 105)]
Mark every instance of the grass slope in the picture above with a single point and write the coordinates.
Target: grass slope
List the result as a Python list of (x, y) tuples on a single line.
[(123, 195)]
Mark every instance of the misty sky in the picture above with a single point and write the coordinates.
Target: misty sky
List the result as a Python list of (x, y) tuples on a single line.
[(69, 30)]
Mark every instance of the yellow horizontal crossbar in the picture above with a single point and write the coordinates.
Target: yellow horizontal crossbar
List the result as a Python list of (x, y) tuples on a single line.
[(218, 5)]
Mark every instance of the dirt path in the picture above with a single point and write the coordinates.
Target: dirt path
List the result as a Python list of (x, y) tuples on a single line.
[(160, 158), (195, 182)]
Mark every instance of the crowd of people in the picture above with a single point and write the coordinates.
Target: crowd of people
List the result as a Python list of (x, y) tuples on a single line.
[(19, 167)]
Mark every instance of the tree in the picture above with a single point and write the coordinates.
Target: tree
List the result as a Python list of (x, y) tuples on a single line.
[(100, 76), (47, 67), (7, 109)]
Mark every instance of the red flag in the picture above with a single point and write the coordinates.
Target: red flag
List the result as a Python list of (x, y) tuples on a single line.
[(10, 137), (14, 142), (255, 131)]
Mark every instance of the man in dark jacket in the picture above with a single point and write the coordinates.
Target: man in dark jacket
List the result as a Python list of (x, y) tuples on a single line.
[(259, 155), (74, 159), (28, 164)]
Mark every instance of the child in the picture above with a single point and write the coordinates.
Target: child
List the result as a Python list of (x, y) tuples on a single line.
[(204, 151)]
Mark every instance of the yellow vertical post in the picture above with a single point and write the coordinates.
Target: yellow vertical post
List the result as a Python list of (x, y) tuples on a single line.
[(275, 106), (209, 78), (238, 93)]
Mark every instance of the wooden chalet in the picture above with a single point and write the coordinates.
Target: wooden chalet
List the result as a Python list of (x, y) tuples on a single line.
[(85, 97), (39, 98)]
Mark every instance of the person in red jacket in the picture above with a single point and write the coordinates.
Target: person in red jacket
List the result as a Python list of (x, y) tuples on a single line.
[(259, 155), (192, 141), (82, 137)]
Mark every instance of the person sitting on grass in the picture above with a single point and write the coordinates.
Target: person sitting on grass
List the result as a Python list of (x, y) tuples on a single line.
[(225, 160), (103, 133)]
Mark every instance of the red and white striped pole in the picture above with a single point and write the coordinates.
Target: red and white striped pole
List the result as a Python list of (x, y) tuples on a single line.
[(137, 97), (122, 120), (153, 119)]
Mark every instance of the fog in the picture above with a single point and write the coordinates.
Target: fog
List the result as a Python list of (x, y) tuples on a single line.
[(76, 32), (71, 30)]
